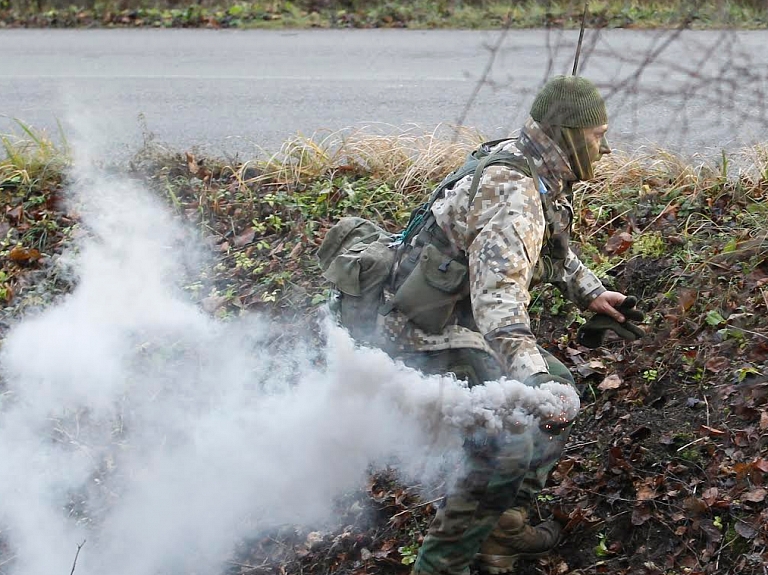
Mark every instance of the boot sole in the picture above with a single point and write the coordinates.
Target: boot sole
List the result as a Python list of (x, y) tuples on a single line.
[(500, 564)]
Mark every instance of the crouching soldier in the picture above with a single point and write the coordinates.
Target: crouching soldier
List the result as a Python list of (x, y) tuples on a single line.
[(456, 300)]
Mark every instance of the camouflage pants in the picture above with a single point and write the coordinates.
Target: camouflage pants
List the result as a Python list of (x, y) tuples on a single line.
[(499, 473)]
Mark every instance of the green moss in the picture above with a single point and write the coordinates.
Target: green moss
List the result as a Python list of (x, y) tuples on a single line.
[(650, 245)]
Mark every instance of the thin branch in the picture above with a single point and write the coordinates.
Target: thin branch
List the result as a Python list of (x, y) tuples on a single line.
[(653, 55), (577, 446), (484, 77), (74, 563), (415, 507), (699, 440)]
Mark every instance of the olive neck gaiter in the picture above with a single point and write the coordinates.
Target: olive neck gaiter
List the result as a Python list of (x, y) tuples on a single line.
[(573, 143)]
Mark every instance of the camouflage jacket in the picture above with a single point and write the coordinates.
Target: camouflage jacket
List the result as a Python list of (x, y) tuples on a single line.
[(514, 236)]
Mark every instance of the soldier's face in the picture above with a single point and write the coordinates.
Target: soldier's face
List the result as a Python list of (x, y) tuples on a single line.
[(597, 145)]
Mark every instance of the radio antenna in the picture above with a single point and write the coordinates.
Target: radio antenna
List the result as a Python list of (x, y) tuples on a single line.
[(581, 39)]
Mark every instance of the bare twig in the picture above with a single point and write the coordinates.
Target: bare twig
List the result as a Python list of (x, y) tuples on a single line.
[(484, 77), (77, 554), (577, 446), (691, 443), (415, 507), (249, 567), (749, 331), (707, 404), (652, 55)]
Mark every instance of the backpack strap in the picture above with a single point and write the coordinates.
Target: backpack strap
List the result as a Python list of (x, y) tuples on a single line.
[(523, 164)]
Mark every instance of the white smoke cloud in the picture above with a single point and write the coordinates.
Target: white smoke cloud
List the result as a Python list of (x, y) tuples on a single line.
[(161, 435)]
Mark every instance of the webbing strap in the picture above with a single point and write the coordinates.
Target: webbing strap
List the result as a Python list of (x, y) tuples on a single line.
[(527, 166)]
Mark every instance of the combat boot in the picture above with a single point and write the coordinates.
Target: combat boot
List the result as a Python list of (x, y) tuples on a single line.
[(513, 538)]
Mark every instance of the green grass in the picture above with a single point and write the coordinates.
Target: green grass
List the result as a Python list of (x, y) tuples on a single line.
[(31, 160), (477, 14)]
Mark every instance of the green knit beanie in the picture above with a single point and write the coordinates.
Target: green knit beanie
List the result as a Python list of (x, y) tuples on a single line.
[(570, 102)]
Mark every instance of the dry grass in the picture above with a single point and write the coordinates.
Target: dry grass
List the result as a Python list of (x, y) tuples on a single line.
[(742, 174), (404, 159)]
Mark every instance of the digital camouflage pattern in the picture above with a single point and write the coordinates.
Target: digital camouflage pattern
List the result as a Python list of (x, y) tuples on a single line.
[(515, 234), (515, 237)]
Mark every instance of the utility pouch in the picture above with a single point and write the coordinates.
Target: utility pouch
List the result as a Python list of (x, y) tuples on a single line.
[(429, 294), (356, 257)]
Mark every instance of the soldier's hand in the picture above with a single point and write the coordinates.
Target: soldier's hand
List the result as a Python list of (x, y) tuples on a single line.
[(592, 333), (608, 303)]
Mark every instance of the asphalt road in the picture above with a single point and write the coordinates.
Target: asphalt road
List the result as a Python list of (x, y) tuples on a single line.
[(247, 91)]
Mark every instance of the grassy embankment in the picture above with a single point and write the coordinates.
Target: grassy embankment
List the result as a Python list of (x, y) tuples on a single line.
[(390, 13), (667, 460)]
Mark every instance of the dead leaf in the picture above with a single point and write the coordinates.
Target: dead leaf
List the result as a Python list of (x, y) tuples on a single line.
[(613, 381), (706, 430), (710, 496), (245, 238), (192, 164), (757, 495), (687, 298), (764, 420), (276, 250), (761, 464), (695, 506), (618, 243), (20, 254), (717, 364), (713, 533), (690, 562), (741, 438), (640, 515), (745, 530), (296, 251), (616, 460), (589, 368), (646, 494), (212, 303), (15, 214)]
